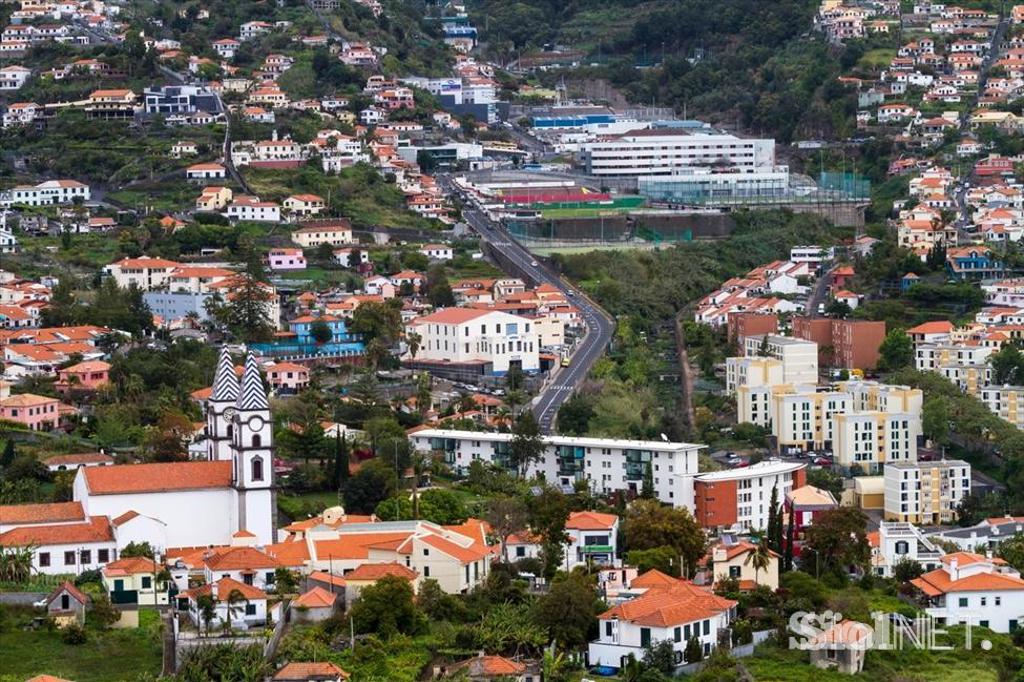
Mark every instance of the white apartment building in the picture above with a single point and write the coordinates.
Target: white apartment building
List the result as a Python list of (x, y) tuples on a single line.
[(144, 272), (934, 356), (799, 357), (1005, 401), (662, 151), (971, 588), (46, 193), (898, 541), (813, 255), (607, 464), (333, 232), (467, 335), (13, 77), (873, 439), (252, 209), (752, 372), (926, 493)]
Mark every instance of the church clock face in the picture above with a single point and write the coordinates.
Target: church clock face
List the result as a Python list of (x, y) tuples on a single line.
[(255, 423), (230, 413)]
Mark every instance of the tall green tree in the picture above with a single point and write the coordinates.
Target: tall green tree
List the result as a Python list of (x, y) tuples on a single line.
[(341, 460), (896, 351), (647, 489), (527, 445), (568, 610), (649, 525), (835, 542)]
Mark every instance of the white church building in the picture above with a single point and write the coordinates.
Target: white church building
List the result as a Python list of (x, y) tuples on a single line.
[(201, 502)]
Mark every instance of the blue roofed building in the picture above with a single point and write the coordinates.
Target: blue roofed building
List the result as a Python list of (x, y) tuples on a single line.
[(298, 343)]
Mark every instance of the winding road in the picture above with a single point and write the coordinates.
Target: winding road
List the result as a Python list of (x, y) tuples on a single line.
[(599, 325)]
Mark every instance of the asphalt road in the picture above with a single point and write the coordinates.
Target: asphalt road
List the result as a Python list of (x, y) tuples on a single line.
[(599, 326)]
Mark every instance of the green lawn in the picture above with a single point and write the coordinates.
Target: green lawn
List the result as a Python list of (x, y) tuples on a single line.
[(298, 507), (107, 656), (769, 664), (877, 58)]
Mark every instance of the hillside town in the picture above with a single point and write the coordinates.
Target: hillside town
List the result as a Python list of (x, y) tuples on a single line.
[(379, 340)]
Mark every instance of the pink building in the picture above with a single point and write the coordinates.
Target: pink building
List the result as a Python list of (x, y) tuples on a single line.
[(37, 412), (286, 259), (288, 376), (85, 376)]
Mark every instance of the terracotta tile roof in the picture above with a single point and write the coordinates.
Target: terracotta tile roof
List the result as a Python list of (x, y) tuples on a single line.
[(325, 577), (301, 672), (353, 546), (224, 587), (46, 678), (27, 400), (844, 632), (377, 571), (240, 559), (810, 496), (461, 554), (490, 667), (69, 587), (131, 566), (451, 316), (939, 327), (125, 518), (316, 598), (587, 520), (654, 578), (736, 549), (668, 607), (81, 458), (52, 512), (160, 477), (938, 582), (97, 529)]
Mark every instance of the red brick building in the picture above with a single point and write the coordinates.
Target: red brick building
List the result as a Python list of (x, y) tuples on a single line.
[(850, 344), (740, 496), (741, 325)]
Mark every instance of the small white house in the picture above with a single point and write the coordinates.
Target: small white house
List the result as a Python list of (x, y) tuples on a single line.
[(439, 252), (669, 609), (973, 588), (243, 605), (344, 257), (206, 171)]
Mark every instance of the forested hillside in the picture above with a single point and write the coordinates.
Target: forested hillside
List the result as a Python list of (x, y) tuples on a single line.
[(750, 62)]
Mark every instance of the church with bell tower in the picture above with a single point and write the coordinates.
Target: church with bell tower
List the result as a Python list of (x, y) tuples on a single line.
[(206, 501), (240, 430)]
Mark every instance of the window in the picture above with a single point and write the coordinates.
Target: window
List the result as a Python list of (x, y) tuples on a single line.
[(86, 556), (65, 602), (426, 552), (257, 441), (147, 582), (678, 634), (734, 571), (103, 555), (69, 558), (257, 467), (520, 551), (963, 602), (426, 571), (707, 627), (608, 628), (269, 578), (645, 637), (250, 609), (999, 601)]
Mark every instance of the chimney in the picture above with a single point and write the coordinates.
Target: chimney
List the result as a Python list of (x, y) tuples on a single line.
[(952, 567)]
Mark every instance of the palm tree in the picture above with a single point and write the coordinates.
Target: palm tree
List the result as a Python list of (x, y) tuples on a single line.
[(207, 610), (760, 557), (413, 340), (235, 596)]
